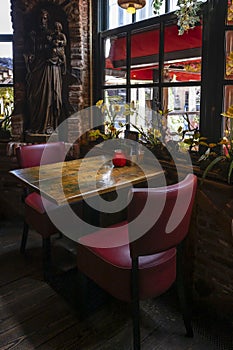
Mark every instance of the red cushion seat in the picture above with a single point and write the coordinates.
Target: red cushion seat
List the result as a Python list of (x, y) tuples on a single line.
[(113, 265)]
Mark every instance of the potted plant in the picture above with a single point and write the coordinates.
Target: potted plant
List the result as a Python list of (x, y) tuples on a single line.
[(219, 156)]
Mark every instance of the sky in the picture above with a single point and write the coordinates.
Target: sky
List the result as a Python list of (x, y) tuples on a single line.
[(5, 28)]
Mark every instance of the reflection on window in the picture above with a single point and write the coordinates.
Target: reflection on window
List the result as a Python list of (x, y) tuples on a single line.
[(229, 55)]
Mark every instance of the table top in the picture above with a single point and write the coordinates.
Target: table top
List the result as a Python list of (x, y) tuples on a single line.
[(71, 181)]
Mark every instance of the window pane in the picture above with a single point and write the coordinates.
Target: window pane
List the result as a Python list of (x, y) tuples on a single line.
[(145, 12), (182, 54), (229, 55), (6, 65), (111, 98), (117, 16), (144, 56), (143, 99), (115, 60), (184, 104), (5, 18), (173, 5), (6, 108), (227, 108)]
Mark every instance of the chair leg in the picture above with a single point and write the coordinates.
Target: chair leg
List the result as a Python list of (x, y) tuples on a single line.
[(135, 306), (47, 258), (24, 237), (82, 295), (185, 309)]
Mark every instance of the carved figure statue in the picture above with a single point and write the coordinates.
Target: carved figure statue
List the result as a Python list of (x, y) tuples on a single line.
[(46, 62), (58, 47)]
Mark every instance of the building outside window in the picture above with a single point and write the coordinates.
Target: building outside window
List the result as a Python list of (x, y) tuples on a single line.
[(6, 65)]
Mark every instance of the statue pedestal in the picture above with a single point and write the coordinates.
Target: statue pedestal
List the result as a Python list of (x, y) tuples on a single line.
[(41, 138)]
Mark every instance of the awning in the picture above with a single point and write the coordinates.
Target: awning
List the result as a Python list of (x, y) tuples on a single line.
[(145, 51)]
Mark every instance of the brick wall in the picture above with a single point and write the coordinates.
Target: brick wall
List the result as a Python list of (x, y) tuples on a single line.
[(209, 247)]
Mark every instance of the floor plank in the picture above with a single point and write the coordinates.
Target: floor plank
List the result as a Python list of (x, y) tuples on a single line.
[(37, 315)]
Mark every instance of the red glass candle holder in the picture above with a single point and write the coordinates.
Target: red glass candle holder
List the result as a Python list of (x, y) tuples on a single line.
[(119, 158)]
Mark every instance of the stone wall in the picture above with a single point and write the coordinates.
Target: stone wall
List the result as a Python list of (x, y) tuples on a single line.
[(77, 27)]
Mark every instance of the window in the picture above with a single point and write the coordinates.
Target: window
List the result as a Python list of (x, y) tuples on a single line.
[(153, 66), (6, 63), (118, 16)]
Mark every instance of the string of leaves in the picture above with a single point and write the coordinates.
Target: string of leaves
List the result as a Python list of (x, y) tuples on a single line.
[(156, 6), (187, 13)]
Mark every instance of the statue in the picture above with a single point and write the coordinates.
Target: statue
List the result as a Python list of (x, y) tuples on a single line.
[(46, 63)]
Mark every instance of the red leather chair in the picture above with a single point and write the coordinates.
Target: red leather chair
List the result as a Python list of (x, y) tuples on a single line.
[(132, 268), (35, 214)]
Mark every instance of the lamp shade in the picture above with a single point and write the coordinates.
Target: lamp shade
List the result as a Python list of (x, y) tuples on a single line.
[(132, 5)]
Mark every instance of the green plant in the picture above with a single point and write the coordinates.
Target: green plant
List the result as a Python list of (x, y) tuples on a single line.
[(156, 6), (187, 13), (223, 150), (156, 131), (110, 112), (190, 136)]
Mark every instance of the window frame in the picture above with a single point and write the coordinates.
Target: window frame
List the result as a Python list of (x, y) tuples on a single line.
[(213, 63)]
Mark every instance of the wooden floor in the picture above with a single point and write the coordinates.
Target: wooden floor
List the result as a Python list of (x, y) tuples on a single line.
[(37, 315)]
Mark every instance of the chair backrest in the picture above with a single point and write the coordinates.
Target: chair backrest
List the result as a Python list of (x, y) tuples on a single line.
[(159, 217), (30, 155)]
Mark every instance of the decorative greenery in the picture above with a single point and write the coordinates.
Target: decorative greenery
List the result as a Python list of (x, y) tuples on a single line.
[(154, 135), (190, 136), (156, 6), (187, 13), (110, 112), (222, 152)]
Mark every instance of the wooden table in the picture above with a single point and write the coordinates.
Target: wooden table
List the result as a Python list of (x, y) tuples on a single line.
[(71, 181)]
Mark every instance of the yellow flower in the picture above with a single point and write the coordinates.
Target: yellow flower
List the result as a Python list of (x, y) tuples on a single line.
[(157, 133), (103, 108), (117, 108), (132, 105), (229, 112), (211, 145), (223, 142), (99, 103)]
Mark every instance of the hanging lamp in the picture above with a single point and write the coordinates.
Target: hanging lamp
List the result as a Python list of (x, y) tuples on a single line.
[(132, 5)]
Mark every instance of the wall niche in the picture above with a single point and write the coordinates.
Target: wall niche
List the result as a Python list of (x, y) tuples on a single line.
[(74, 17)]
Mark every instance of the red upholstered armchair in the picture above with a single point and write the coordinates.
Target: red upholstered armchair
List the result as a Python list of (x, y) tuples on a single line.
[(139, 258), (35, 214)]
